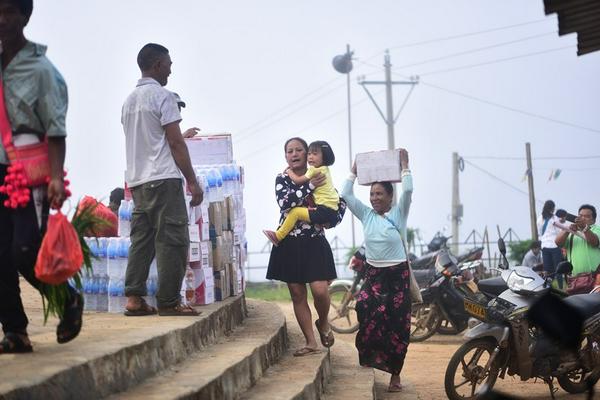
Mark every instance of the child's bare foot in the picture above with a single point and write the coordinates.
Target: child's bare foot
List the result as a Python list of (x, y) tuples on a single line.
[(272, 237)]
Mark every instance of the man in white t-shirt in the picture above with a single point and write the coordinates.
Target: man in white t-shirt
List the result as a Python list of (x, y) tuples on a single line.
[(156, 157)]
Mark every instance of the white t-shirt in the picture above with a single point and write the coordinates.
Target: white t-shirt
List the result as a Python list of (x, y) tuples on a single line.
[(144, 114), (549, 235)]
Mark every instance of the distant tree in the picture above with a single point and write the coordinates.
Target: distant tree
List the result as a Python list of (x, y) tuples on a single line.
[(518, 250)]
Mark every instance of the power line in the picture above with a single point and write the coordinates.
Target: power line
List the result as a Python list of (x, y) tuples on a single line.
[(488, 173), (249, 134), (290, 104), (499, 60), (516, 110), (442, 39), (476, 50), (296, 133), (534, 158)]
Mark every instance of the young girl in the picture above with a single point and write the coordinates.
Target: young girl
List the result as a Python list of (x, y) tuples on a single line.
[(320, 157)]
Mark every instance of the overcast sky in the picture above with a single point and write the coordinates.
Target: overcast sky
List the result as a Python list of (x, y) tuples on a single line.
[(240, 64)]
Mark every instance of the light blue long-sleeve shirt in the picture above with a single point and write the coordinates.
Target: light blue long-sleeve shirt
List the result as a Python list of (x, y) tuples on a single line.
[(382, 240)]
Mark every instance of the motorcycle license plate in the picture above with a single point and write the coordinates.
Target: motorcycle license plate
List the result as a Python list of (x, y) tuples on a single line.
[(475, 309)]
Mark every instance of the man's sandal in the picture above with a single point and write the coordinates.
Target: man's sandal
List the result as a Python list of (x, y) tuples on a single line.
[(143, 310), (13, 343), (180, 310), (327, 338)]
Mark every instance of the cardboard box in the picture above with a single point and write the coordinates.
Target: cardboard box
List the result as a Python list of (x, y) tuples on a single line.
[(218, 253), (205, 255), (215, 218), (194, 231), (210, 149), (378, 166), (205, 295), (194, 252)]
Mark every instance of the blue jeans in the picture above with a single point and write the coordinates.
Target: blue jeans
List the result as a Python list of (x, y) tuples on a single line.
[(551, 257)]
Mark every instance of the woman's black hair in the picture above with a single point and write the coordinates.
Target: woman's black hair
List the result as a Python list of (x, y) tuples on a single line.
[(387, 186), (548, 209), (560, 213), (328, 156), (302, 142)]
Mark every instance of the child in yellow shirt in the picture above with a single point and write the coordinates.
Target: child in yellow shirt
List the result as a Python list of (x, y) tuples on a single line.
[(320, 156)]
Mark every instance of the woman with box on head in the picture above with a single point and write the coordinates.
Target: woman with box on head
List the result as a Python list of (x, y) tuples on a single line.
[(305, 256), (384, 303), (320, 157)]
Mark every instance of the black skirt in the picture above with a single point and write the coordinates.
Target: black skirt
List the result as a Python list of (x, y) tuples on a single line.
[(302, 259)]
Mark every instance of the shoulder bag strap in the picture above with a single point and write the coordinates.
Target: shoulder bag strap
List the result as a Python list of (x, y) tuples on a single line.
[(5, 127), (545, 225)]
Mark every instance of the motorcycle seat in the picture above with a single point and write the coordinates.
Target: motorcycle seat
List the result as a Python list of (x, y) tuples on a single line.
[(494, 286), (586, 304)]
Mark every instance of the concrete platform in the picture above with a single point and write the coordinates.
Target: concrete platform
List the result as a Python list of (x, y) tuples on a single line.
[(112, 353)]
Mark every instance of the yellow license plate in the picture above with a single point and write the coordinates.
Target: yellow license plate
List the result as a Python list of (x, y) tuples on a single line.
[(475, 309)]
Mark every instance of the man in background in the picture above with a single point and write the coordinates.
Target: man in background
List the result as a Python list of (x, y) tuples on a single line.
[(156, 157), (533, 258)]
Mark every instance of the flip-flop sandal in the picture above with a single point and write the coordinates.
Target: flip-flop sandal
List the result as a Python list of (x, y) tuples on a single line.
[(12, 343), (395, 387), (143, 310), (180, 310), (304, 352), (327, 338), (72, 320)]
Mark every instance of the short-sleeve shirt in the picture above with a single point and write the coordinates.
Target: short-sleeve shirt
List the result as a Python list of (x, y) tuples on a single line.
[(145, 113), (35, 94), (531, 260), (324, 195), (583, 256)]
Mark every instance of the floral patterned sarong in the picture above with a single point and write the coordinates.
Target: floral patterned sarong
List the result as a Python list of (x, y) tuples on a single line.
[(383, 310)]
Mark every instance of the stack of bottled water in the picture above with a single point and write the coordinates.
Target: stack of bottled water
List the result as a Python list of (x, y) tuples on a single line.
[(117, 253)]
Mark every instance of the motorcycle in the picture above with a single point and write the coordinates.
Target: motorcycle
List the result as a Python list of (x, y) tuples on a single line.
[(343, 292), (506, 342), (444, 295)]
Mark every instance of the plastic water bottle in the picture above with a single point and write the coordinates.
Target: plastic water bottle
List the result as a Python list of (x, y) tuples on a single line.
[(124, 227), (115, 283), (211, 178), (152, 284), (101, 272), (124, 244)]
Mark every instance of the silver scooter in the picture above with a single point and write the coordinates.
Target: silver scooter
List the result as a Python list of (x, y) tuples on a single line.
[(506, 342)]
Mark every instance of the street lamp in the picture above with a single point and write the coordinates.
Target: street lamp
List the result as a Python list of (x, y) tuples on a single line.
[(343, 64)]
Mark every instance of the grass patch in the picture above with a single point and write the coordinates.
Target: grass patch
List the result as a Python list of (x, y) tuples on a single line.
[(269, 291)]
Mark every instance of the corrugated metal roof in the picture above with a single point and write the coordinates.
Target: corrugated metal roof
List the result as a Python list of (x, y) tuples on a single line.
[(578, 16)]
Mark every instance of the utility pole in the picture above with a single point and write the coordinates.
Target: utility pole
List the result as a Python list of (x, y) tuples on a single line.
[(532, 214), (389, 118), (457, 208), (343, 64)]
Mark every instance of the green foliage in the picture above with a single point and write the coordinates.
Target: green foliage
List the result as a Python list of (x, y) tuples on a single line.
[(270, 291), (518, 250)]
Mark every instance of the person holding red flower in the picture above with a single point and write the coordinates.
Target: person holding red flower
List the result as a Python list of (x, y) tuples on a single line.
[(35, 108)]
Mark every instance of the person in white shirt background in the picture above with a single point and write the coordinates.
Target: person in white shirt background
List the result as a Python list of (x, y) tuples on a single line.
[(549, 226)]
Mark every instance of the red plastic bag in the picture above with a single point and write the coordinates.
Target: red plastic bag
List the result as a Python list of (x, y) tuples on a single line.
[(103, 212), (60, 255)]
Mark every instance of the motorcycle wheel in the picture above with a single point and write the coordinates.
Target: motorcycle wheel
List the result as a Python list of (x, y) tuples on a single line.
[(573, 382), (342, 319), (465, 377), (424, 322), (446, 328)]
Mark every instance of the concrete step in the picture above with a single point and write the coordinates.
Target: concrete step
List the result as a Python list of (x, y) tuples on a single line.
[(225, 369), (349, 381), (112, 353), (293, 378)]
